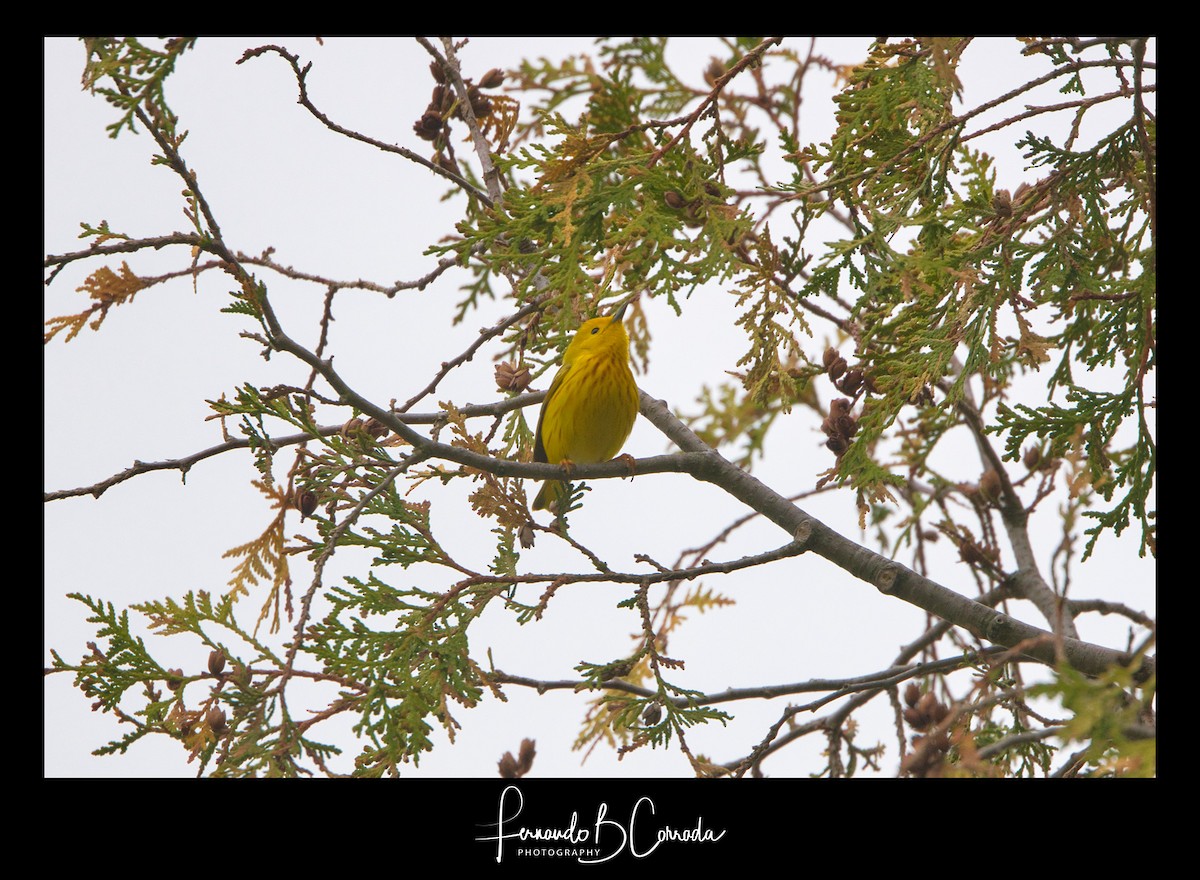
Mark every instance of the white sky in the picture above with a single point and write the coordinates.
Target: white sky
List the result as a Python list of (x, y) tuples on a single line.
[(276, 178)]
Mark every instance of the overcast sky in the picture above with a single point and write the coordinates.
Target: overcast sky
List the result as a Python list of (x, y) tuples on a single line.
[(277, 179)]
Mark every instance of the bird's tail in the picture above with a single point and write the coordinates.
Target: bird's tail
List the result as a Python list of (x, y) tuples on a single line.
[(552, 492)]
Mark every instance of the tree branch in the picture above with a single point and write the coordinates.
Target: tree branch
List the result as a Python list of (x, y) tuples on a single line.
[(1027, 582), (748, 60), (303, 100), (704, 463), (483, 152), (839, 687)]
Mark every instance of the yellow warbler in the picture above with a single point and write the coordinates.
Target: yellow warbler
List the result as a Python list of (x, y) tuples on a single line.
[(592, 403)]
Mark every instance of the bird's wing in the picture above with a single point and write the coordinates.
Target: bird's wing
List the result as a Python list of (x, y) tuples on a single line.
[(539, 450)]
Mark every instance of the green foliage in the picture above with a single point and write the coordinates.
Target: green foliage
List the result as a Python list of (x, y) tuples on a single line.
[(1095, 266), (137, 73), (1071, 254), (603, 188), (1107, 717), (106, 675), (727, 417), (252, 738), (940, 290), (654, 720), (406, 670), (1024, 760)]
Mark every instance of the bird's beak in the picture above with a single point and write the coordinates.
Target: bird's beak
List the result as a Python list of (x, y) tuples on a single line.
[(620, 310)]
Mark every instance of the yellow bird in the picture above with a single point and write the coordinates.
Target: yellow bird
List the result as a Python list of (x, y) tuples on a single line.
[(592, 403)]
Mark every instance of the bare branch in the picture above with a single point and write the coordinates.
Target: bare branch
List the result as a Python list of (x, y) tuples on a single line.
[(301, 81)]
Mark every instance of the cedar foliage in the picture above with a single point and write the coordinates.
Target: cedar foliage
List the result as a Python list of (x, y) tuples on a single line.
[(940, 291)]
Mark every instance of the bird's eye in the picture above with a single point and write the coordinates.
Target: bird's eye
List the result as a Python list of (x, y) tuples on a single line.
[(595, 330)]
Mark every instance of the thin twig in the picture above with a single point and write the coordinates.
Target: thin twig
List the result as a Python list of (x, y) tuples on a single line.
[(484, 335), (483, 152), (1082, 103), (747, 60), (1001, 746), (301, 80)]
